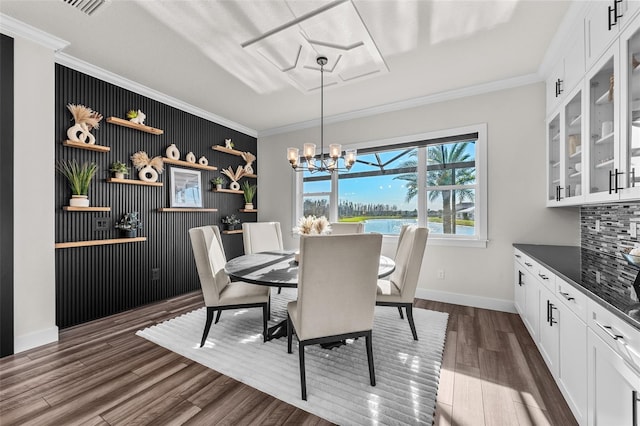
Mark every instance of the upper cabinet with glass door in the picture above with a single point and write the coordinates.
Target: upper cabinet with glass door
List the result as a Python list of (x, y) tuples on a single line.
[(602, 128), (572, 153), (554, 189), (630, 129)]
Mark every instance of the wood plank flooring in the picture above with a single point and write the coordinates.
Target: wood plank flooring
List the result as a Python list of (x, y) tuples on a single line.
[(101, 373)]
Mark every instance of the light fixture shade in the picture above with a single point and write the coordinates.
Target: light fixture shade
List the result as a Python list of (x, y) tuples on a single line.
[(335, 150), (350, 157), (309, 150), (293, 155)]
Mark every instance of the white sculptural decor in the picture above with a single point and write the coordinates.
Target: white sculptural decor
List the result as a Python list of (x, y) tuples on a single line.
[(190, 157), (172, 152), (85, 120), (234, 176), (203, 161), (249, 158), (136, 116), (228, 144), (148, 169)]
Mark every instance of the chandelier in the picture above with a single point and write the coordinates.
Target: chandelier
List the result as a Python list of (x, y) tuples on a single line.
[(323, 164)]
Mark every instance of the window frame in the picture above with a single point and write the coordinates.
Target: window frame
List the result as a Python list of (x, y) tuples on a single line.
[(479, 240)]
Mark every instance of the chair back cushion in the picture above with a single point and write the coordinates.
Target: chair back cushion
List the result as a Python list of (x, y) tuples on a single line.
[(409, 256), (341, 228), (261, 236), (210, 260), (337, 283)]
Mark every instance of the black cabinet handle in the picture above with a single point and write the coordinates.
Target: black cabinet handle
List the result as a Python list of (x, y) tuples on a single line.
[(520, 274), (544, 277), (632, 176), (551, 319), (567, 192), (566, 296), (559, 89), (528, 264), (610, 180), (548, 311), (518, 256), (613, 14), (615, 186)]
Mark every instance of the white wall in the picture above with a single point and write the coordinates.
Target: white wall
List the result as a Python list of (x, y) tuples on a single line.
[(516, 187), (34, 231)]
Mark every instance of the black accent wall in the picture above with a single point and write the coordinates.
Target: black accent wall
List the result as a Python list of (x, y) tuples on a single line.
[(93, 282), (6, 194)]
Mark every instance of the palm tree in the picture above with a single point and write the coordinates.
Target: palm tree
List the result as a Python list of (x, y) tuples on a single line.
[(438, 174)]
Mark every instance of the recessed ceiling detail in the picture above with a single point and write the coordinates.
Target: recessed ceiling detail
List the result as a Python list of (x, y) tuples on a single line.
[(335, 31), (87, 6)]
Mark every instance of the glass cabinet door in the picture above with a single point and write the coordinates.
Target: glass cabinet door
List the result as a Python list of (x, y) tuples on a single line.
[(554, 159), (573, 147), (601, 127), (631, 143)]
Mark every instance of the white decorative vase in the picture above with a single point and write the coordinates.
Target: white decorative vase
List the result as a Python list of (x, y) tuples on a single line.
[(234, 185), (172, 152), (248, 206), (218, 187), (203, 161), (191, 158), (119, 175), (79, 201), (148, 174)]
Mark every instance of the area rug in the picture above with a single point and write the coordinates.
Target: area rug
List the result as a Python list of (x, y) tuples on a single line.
[(338, 389)]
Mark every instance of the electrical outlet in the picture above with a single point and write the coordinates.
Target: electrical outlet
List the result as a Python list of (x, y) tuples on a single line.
[(633, 229), (598, 277), (101, 224), (155, 274), (441, 274)]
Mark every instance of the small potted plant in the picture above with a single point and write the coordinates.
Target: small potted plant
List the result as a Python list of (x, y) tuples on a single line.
[(129, 225), (79, 178), (119, 169), (218, 182), (249, 192), (230, 222)]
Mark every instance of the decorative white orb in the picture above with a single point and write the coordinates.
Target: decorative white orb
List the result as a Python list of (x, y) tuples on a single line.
[(203, 161), (172, 152)]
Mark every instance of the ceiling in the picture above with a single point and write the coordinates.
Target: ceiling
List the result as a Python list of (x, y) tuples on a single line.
[(254, 62)]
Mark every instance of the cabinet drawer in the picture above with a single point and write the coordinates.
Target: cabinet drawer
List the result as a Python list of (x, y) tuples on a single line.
[(545, 276), (519, 256), (620, 336), (575, 300)]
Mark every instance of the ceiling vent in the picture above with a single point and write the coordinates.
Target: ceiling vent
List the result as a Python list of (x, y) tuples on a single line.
[(88, 7)]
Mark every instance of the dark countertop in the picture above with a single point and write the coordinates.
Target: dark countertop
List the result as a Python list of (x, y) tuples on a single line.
[(577, 267)]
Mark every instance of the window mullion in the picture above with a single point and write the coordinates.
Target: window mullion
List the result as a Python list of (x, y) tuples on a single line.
[(422, 186), (333, 198)]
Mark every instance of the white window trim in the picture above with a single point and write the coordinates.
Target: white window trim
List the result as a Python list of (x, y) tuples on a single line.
[(479, 241)]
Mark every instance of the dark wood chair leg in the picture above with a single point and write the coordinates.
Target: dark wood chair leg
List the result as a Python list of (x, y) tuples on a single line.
[(218, 316), (269, 306), (411, 323), (303, 377), (372, 373), (289, 334), (265, 314), (400, 310), (207, 325)]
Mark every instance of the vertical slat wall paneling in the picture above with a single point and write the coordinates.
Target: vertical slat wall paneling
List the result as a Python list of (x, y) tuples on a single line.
[(6, 192), (93, 282)]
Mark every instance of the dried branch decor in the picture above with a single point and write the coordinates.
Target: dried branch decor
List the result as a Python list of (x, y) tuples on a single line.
[(146, 166)]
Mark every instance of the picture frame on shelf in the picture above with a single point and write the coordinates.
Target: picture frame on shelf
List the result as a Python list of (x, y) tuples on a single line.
[(185, 188)]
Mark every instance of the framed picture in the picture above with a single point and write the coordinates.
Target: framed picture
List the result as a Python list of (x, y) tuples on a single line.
[(186, 188)]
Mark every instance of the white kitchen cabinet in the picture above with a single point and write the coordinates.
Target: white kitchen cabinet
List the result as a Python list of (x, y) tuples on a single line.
[(630, 112), (531, 316), (554, 164), (601, 28), (549, 335), (520, 282), (568, 71), (613, 386)]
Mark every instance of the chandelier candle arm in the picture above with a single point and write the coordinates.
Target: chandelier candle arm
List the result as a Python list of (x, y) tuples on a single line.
[(309, 149)]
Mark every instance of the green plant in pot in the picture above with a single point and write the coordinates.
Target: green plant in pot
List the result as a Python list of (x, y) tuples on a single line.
[(119, 169), (218, 182), (129, 224), (249, 192), (79, 178), (230, 221)]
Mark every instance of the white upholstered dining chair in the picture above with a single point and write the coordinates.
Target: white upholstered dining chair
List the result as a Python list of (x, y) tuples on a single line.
[(337, 280), (261, 236), (341, 228), (400, 288), (218, 290)]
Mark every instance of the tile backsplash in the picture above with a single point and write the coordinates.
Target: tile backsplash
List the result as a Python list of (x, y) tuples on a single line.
[(604, 245)]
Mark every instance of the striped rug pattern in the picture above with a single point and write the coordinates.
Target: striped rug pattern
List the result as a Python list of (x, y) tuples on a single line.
[(338, 389)]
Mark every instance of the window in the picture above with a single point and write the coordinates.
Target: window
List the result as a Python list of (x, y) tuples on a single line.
[(436, 180)]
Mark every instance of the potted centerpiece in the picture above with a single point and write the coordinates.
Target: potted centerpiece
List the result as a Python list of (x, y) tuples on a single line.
[(218, 182), (249, 192), (79, 178), (119, 169), (231, 222), (129, 224)]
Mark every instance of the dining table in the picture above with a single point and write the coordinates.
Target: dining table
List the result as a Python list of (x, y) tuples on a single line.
[(279, 268)]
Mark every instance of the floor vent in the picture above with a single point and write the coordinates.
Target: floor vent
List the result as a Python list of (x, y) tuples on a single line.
[(87, 6)]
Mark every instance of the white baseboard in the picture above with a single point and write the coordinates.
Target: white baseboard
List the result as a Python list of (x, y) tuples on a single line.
[(35, 339), (467, 300)]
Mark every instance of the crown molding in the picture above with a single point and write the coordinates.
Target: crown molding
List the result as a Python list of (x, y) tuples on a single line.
[(478, 89), (108, 76), (15, 28)]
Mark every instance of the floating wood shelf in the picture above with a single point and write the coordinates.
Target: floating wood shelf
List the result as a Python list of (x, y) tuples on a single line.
[(185, 209), (141, 127), (235, 231), (90, 147), (227, 150), (188, 164), (248, 210), (229, 191), (86, 209), (99, 242), (133, 182)]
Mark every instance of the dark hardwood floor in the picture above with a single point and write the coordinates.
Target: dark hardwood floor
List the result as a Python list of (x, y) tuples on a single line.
[(101, 373)]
